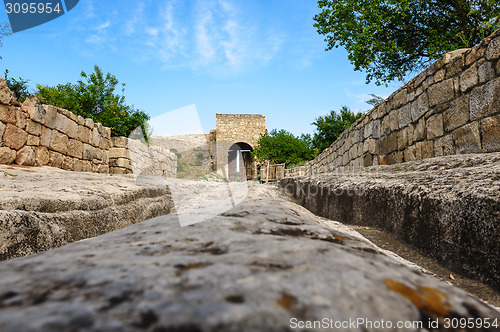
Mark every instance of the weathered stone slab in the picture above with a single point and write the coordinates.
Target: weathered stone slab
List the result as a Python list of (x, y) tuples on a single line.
[(485, 100), (445, 207), (493, 50), (59, 142), (14, 137), (441, 92), (467, 139), (457, 114), (5, 93), (435, 126), (490, 134), (7, 156), (26, 156), (255, 267)]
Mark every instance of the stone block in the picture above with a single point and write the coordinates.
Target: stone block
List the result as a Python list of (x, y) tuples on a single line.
[(33, 128), (490, 133), (428, 81), (474, 55), (435, 126), (14, 137), (439, 76), (35, 110), (493, 50), (84, 134), (5, 93), (485, 100), (55, 159), (419, 131), (394, 120), (426, 148), (457, 114), (75, 148), (120, 162), (399, 99), (368, 160), (42, 156), (402, 139), (72, 130), (59, 142), (61, 123), (8, 114), (404, 116), (68, 163), (94, 137), (486, 72), (419, 107), (395, 158), (467, 139), (89, 123), (444, 146), (469, 78), (80, 120), (119, 153), (455, 65), (26, 156), (33, 140), (376, 128), (7, 155), (46, 136), (441, 92), (50, 116), (89, 152), (78, 167)]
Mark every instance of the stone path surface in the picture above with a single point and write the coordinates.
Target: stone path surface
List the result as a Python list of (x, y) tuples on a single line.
[(45, 207), (266, 264), (447, 208)]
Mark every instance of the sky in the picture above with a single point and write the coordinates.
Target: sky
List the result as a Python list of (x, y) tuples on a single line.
[(196, 58)]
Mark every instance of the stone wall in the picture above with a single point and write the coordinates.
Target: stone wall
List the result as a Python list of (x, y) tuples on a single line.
[(235, 128), (452, 107), (32, 134), (137, 157), (231, 129), (38, 135)]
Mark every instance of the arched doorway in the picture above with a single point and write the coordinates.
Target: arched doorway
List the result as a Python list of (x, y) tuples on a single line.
[(239, 162)]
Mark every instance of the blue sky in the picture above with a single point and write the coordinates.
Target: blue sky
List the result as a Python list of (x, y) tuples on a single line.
[(222, 56)]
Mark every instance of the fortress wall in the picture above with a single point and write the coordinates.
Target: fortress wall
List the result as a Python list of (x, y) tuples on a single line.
[(32, 134), (134, 156), (234, 128), (452, 107)]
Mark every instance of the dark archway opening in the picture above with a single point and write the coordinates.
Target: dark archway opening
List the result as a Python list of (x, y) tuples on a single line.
[(240, 162)]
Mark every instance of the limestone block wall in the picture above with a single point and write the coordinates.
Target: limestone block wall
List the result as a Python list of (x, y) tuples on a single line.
[(234, 128), (32, 134), (452, 107), (128, 156)]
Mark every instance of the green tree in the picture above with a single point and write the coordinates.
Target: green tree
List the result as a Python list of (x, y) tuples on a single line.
[(390, 38), (5, 31), (330, 126), (19, 86), (94, 97), (374, 100), (281, 146)]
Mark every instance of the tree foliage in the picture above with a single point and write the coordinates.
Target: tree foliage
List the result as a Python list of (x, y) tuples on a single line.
[(389, 38), (19, 86), (330, 126), (94, 97), (5, 31), (281, 146)]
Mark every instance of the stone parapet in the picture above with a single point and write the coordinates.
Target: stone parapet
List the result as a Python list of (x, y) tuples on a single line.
[(128, 156)]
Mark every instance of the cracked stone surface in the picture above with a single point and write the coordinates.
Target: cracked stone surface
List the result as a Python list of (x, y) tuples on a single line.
[(251, 268), (45, 207), (447, 208)]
